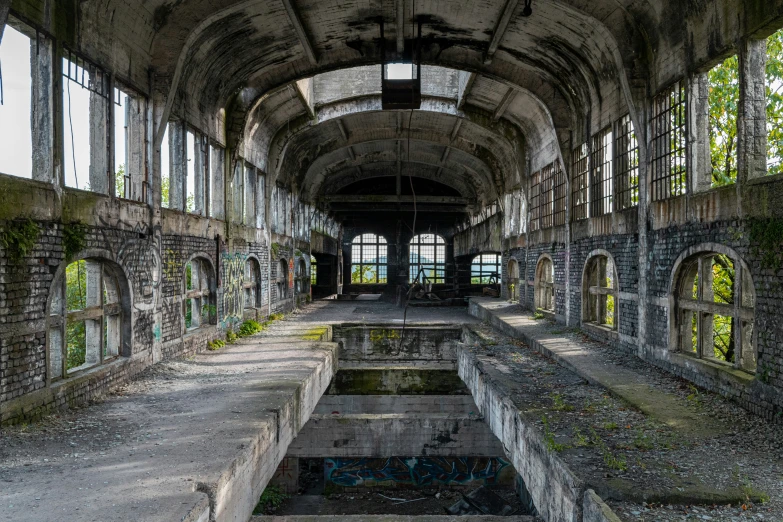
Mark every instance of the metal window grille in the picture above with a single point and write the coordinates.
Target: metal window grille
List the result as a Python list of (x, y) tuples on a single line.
[(485, 269), (601, 182), (626, 178), (428, 256), (85, 73), (369, 259), (535, 202), (579, 182), (545, 196), (669, 143), (560, 194)]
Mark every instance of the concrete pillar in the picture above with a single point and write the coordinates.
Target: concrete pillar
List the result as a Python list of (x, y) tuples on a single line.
[(200, 174), (261, 201), (218, 179), (699, 161), (93, 327), (752, 111), (135, 118), (99, 145), (251, 181), (178, 165), (42, 58)]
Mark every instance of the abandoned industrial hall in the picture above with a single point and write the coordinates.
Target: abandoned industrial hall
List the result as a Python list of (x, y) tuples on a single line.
[(391, 260)]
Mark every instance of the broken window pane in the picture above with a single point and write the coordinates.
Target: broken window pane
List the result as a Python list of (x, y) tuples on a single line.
[(16, 142), (723, 105)]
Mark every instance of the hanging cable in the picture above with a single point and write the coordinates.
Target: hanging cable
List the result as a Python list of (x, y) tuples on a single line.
[(410, 180), (73, 142)]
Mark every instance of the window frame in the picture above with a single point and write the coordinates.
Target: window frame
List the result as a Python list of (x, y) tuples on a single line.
[(683, 307), (601, 176), (366, 245), (59, 316), (535, 201), (595, 295), (281, 281), (544, 289), (669, 121), (580, 161), (626, 153), (202, 296), (438, 244), (484, 276), (252, 284)]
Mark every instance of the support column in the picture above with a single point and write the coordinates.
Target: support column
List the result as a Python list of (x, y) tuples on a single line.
[(178, 168), (699, 160), (42, 60), (752, 111), (99, 145)]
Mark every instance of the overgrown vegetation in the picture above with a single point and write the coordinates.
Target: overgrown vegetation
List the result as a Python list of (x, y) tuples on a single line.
[(774, 77), (271, 499), (74, 239), (766, 239), (18, 239), (724, 104), (75, 297), (560, 404), (549, 437), (215, 345)]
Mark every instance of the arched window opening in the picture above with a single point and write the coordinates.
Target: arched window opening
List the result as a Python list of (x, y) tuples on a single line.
[(369, 254), (715, 310), (599, 292), (427, 259), (545, 285), (513, 280), (313, 271), (301, 277), (252, 284), (198, 309), (86, 319), (282, 279), (485, 269)]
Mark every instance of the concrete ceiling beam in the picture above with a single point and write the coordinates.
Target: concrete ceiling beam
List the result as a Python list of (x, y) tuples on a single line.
[(300, 31), (504, 103), (400, 6), (500, 30)]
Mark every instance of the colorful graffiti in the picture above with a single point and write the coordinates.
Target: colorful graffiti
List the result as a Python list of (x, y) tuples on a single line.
[(291, 273), (416, 471), (233, 297)]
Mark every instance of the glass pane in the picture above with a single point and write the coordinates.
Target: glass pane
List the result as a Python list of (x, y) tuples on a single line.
[(76, 286), (16, 142), (722, 279), (723, 338)]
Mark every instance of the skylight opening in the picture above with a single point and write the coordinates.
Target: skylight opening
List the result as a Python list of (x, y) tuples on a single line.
[(400, 71)]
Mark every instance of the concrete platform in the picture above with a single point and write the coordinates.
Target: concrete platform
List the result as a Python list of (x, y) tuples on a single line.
[(190, 440)]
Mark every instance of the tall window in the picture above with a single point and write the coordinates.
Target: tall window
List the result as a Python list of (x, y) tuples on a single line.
[(535, 201), (513, 280), (559, 194), (545, 194), (485, 269), (774, 75), (165, 170), (215, 182), (369, 259), (252, 284), (16, 151), (313, 271), (130, 180), (723, 106), (545, 285), (198, 309), (579, 183), (195, 172), (86, 318), (600, 292), (86, 97), (427, 259), (301, 276), (601, 183), (669, 142), (714, 310), (626, 178)]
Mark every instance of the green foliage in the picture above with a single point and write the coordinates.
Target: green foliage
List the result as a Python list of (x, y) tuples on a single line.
[(610, 459), (611, 425), (538, 315), (560, 404), (75, 299), (276, 317), (217, 344), (249, 328), (774, 74), (766, 238), (231, 337), (298, 253), (275, 250), (18, 239), (724, 104), (119, 182), (549, 437), (580, 440), (365, 274), (74, 239), (271, 499)]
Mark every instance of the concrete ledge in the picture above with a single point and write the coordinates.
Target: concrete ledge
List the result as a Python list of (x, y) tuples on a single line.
[(391, 518), (395, 434), (595, 510)]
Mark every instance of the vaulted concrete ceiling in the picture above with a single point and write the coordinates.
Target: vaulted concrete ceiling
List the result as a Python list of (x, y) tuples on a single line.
[(532, 79)]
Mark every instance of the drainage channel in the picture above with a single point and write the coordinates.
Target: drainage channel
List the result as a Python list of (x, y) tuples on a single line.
[(396, 435)]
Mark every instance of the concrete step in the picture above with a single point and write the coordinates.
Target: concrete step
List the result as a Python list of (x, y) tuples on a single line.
[(391, 518)]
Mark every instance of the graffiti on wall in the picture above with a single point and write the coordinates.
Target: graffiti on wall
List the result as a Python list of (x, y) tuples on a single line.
[(417, 471), (141, 259), (233, 297), (291, 273)]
